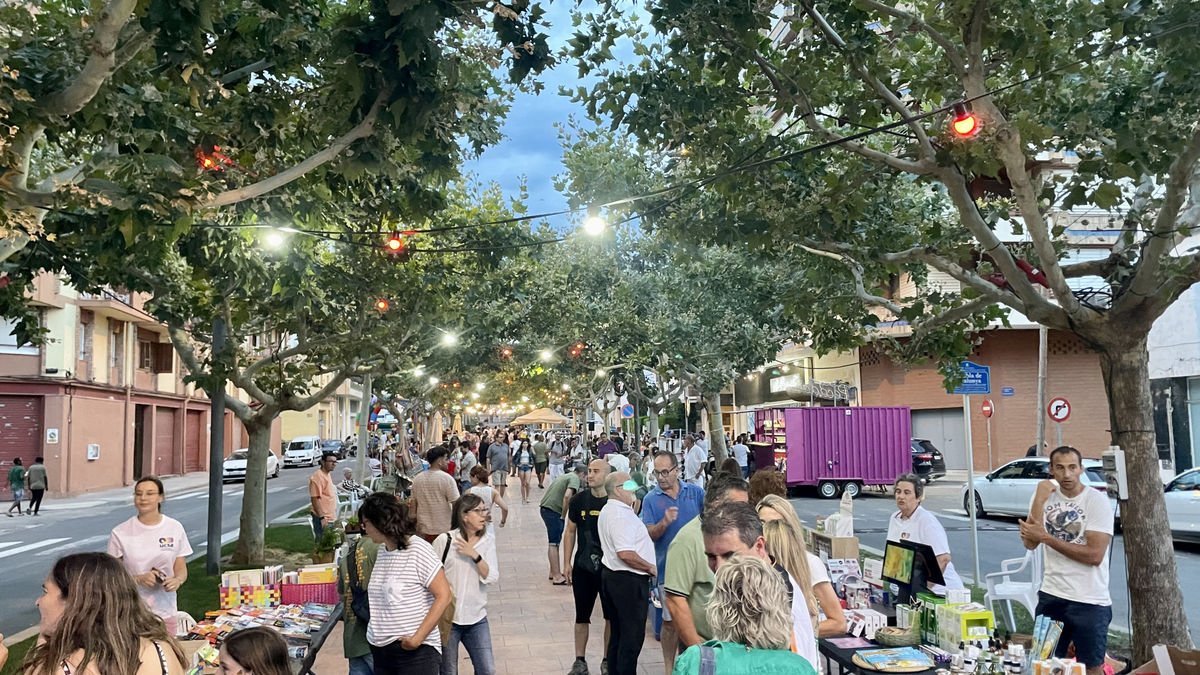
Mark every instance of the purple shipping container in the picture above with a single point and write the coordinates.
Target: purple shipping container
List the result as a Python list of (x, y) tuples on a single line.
[(834, 447)]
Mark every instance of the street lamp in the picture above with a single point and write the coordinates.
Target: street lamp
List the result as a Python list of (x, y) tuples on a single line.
[(449, 339), (433, 380), (547, 355)]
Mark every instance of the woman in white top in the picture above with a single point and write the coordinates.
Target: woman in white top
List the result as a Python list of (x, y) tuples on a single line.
[(913, 523), (154, 549), (832, 621), (487, 493), (523, 461), (408, 591), (468, 552)]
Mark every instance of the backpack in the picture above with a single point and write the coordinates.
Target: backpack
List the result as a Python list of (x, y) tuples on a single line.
[(359, 604)]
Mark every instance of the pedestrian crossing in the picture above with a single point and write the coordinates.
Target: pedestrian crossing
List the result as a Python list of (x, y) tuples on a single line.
[(11, 548)]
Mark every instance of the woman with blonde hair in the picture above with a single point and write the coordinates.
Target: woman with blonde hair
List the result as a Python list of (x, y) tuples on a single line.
[(93, 622), (784, 535), (750, 613)]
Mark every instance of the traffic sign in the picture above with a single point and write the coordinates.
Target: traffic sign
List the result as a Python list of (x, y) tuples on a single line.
[(1008, 391), (977, 379), (986, 407), (627, 410), (1059, 409)]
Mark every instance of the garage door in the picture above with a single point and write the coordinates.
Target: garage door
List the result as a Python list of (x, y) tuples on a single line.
[(944, 428), (20, 428), (164, 442), (194, 443)]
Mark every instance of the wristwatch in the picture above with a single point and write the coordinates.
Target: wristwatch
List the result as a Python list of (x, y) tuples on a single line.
[(477, 558)]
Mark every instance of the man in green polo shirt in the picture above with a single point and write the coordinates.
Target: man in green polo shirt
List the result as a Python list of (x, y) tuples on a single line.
[(554, 510), (688, 581)]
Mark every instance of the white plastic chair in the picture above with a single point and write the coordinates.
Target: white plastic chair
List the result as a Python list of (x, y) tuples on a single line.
[(1006, 586), (184, 623)]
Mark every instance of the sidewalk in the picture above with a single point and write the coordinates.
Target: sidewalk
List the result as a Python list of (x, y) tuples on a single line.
[(532, 621), (174, 485)]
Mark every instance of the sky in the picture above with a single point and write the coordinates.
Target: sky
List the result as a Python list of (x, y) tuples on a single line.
[(530, 148)]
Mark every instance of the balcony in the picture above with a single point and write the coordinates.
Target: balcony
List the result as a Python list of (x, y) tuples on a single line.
[(119, 305)]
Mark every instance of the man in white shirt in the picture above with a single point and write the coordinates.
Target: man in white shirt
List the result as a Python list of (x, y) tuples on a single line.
[(733, 528), (741, 452), (627, 572), (694, 459), (1075, 525)]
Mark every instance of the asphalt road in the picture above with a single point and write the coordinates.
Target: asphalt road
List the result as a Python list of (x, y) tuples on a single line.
[(30, 545), (998, 540)]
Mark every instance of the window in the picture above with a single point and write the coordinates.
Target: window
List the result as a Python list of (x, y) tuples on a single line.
[(1011, 471), (145, 355), (1037, 470), (1185, 483), (8, 341)]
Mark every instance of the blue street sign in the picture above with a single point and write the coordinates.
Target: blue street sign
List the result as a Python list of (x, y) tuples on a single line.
[(1008, 391), (977, 379), (627, 410)]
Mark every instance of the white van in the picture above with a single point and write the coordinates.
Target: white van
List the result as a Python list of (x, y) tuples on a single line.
[(302, 451)]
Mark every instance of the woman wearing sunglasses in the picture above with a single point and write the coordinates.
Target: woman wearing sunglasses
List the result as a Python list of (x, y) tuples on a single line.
[(468, 552)]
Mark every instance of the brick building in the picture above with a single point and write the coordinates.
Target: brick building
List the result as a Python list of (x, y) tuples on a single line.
[(103, 400), (1073, 372)]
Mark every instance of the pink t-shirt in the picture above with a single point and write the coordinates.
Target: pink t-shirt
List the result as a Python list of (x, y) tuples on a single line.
[(143, 548)]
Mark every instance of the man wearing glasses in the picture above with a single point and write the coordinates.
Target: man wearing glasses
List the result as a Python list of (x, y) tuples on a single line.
[(670, 506)]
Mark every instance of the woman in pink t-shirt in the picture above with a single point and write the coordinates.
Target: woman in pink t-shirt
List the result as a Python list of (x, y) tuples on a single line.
[(154, 549)]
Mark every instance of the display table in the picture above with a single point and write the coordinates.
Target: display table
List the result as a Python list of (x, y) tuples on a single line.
[(844, 658), (317, 641)]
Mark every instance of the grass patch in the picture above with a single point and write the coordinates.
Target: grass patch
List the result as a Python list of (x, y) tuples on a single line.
[(285, 544), (16, 654), (302, 512)]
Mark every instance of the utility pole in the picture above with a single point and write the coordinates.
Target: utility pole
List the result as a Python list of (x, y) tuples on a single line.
[(364, 436), (216, 455), (1041, 390)]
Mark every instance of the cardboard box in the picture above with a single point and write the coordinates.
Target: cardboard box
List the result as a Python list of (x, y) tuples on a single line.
[(864, 622), (1170, 660)]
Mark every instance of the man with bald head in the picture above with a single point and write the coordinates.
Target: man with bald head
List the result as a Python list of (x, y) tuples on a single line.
[(628, 569), (583, 569)]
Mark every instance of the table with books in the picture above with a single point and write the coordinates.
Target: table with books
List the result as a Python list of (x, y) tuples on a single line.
[(862, 656), (303, 606)]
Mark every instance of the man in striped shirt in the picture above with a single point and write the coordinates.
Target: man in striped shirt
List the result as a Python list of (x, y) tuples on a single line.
[(433, 495)]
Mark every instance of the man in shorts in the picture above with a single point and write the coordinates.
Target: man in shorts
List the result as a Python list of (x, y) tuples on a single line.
[(553, 509), (541, 459), (498, 461), (1074, 523), (583, 518)]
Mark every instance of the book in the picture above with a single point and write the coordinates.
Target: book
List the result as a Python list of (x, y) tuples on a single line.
[(898, 658)]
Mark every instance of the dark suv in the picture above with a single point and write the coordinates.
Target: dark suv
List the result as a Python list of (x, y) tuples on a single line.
[(927, 460)]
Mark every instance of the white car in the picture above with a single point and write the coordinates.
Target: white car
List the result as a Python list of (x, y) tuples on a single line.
[(1009, 490), (234, 466), (302, 451), (1183, 506)]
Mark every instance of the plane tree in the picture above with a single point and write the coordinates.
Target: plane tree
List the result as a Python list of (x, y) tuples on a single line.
[(1078, 106)]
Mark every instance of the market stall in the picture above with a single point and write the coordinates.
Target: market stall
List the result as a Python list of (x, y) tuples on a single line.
[(303, 606)]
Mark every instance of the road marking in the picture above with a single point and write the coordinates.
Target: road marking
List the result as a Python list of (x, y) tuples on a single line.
[(74, 545), (30, 547), (953, 516), (6, 544)]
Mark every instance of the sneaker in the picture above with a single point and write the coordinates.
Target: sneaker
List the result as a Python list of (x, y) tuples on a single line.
[(603, 666), (579, 668)]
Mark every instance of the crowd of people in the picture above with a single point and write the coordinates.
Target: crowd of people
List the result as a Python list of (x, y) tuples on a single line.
[(720, 561)]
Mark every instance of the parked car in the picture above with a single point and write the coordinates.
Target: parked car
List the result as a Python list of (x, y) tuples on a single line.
[(234, 466), (1183, 506), (1009, 490), (927, 461), (333, 445), (302, 451)]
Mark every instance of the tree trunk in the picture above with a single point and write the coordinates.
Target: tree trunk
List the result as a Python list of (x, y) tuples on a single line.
[(253, 521), (1155, 596), (716, 429), (653, 414)]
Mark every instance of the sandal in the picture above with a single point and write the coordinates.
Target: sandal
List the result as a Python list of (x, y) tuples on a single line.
[(562, 582)]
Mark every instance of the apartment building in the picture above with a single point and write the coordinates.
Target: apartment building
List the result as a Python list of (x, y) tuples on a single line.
[(103, 400)]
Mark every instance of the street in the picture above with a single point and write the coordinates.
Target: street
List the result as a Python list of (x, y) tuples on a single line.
[(998, 540), (30, 545)]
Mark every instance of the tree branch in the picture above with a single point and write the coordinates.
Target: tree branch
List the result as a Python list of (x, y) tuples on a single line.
[(952, 52), (1162, 237), (100, 64), (798, 99), (245, 71), (363, 129), (889, 97), (856, 269)]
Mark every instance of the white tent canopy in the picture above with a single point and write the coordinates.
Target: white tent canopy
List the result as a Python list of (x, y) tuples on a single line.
[(541, 416)]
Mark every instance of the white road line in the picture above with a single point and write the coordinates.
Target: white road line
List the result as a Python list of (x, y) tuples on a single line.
[(75, 545), (953, 516), (281, 488), (30, 547), (6, 544)]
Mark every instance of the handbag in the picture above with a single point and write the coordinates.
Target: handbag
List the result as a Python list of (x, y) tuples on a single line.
[(359, 604), (444, 623)]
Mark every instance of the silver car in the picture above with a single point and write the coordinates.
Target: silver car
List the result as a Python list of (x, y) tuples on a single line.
[(1183, 506)]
